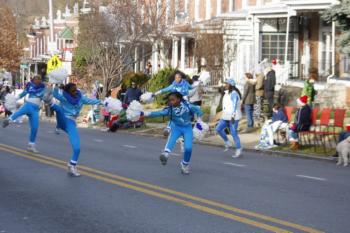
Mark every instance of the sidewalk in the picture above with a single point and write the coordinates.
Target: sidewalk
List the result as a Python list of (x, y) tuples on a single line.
[(248, 140)]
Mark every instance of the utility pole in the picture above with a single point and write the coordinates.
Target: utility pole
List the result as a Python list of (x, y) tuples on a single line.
[(52, 46)]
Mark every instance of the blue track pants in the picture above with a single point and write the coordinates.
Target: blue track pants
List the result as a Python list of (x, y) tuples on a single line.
[(187, 133), (32, 111), (233, 126), (70, 127)]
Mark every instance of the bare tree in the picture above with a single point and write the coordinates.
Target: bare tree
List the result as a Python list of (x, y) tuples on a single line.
[(10, 51), (108, 38)]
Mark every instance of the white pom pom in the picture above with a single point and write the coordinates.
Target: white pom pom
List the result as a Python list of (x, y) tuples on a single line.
[(113, 105), (58, 76), (147, 97), (134, 111), (10, 102), (200, 130)]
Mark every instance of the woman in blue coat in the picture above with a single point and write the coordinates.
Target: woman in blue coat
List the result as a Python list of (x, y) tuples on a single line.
[(179, 85), (180, 113), (71, 103), (35, 91)]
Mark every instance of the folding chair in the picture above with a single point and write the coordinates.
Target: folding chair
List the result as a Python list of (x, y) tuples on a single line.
[(323, 128), (339, 118)]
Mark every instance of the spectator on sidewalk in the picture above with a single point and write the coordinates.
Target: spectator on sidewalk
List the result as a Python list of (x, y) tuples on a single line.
[(309, 89), (249, 101), (132, 93), (121, 121), (196, 94), (259, 95), (269, 87), (302, 122), (279, 120)]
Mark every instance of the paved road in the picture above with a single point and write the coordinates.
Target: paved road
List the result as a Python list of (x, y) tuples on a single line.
[(125, 189)]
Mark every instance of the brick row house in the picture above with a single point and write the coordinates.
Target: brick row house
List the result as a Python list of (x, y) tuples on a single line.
[(65, 31), (252, 32)]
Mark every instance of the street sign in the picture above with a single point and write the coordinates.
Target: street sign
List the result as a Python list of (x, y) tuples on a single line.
[(53, 63)]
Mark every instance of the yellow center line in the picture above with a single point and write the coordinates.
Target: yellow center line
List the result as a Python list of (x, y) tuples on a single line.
[(184, 195), (160, 195)]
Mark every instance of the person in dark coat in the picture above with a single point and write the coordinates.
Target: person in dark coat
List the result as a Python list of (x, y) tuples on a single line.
[(249, 100), (302, 122), (269, 87), (132, 93)]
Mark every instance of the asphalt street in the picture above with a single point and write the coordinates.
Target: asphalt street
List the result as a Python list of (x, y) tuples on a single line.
[(125, 189)]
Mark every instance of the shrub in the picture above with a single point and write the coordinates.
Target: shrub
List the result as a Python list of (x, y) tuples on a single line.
[(161, 80), (139, 78)]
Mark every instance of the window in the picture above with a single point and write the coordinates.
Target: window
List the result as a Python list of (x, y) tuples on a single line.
[(274, 44)]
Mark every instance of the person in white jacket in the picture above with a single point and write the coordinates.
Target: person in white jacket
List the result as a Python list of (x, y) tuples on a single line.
[(196, 94), (231, 114)]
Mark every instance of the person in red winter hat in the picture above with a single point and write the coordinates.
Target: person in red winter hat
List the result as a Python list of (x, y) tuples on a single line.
[(302, 122)]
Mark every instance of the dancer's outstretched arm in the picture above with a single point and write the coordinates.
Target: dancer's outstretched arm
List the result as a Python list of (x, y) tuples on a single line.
[(89, 101)]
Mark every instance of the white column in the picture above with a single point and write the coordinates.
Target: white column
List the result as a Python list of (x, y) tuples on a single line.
[(142, 62), (183, 54), (175, 52), (31, 51), (186, 6), (230, 6), (196, 10), (244, 4), (208, 9), (162, 55), (167, 12), (256, 41), (176, 9), (333, 48), (287, 40), (136, 60), (328, 53), (155, 57), (218, 7), (37, 46)]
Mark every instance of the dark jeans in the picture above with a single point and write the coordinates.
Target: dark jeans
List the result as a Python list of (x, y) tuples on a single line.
[(270, 99), (249, 111), (344, 135)]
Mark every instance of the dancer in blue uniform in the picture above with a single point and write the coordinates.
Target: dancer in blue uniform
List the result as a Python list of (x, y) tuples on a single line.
[(181, 113), (35, 91), (71, 103), (181, 86)]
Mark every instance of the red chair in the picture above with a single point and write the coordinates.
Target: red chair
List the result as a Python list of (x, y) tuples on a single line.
[(289, 112), (307, 134), (322, 130), (338, 125)]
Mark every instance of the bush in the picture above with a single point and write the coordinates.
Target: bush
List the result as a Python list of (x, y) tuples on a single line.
[(139, 78), (161, 80)]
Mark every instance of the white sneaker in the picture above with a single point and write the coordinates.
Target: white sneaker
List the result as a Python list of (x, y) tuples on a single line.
[(228, 145), (164, 158), (73, 171), (185, 169), (32, 148), (237, 154)]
